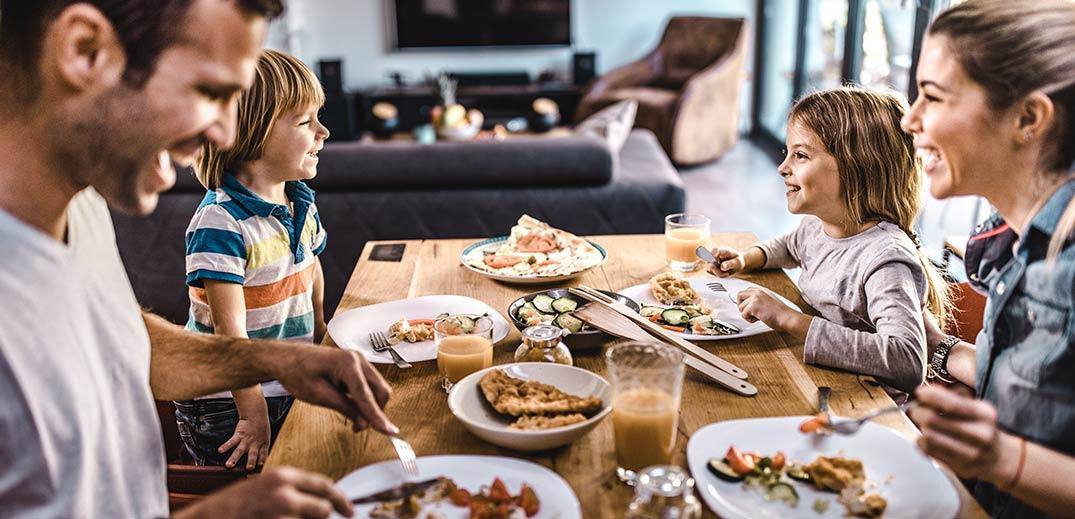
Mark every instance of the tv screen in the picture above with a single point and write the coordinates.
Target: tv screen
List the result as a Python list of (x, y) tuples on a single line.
[(468, 23)]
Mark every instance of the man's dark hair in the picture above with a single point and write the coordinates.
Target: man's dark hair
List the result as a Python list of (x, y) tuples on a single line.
[(144, 27)]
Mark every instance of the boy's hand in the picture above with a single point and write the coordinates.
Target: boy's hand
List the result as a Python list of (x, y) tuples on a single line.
[(756, 304), (338, 379), (729, 262), (251, 438)]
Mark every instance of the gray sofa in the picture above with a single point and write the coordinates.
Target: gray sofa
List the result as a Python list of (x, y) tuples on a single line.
[(397, 191)]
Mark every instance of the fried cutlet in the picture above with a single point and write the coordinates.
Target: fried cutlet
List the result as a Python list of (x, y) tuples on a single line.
[(532, 422), (511, 396)]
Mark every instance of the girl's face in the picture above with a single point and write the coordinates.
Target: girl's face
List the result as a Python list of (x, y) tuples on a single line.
[(291, 149), (811, 176), (963, 143)]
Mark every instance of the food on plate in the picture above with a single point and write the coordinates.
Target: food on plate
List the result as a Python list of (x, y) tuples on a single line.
[(539, 421), (412, 330), (534, 404), (773, 477), (544, 309), (695, 319), (490, 502), (535, 249), (815, 424), (670, 289)]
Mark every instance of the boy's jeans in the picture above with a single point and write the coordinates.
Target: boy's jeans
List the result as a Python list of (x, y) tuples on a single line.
[(204, 425)]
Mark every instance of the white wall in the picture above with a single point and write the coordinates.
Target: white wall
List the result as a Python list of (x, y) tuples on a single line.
[(355, 31)]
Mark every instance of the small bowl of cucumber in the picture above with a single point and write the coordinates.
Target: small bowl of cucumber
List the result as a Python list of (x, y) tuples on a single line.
[(554, 307)]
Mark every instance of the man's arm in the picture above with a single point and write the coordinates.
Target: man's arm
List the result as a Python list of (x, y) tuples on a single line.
[(186, 364)]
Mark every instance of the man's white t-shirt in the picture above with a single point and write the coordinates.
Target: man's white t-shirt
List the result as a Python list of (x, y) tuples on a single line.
[(79, 434)]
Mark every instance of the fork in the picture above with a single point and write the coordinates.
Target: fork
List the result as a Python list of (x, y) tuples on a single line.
[(380, 343), (406, 456), (852, 425)]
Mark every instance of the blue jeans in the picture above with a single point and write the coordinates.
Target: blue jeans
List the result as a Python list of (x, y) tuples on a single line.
[(204, 425)]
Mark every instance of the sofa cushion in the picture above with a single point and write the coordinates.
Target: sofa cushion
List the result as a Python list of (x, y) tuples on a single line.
[(611, 124), (515, 162)]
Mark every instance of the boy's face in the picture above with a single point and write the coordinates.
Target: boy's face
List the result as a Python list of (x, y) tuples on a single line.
[(291, 148), (811, 177), (123, 140)]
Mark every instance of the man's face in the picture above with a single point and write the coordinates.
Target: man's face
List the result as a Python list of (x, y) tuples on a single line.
[(123, 140)]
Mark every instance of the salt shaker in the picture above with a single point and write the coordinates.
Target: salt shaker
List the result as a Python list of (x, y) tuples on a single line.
[(664, 492), (541, 343)]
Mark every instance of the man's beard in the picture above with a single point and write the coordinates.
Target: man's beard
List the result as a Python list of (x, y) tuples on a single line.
[(107, 143)]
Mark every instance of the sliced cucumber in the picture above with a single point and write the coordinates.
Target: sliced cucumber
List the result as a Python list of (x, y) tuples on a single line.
[(650, 311), (564, 304), (723, 470), (724, 328), (783, 492), (442, 316), (798, 474), (543, 303), (466, 323), (675, 317), (569, 322)]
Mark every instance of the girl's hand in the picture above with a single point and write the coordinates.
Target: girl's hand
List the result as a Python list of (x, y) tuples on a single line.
[(251, 438), (729, 262), (760, 305), (961, 432)]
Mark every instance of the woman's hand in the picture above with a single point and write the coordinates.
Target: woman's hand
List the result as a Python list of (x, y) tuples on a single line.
[(729, 262), (756, 304), (251, 438), (962, 432)]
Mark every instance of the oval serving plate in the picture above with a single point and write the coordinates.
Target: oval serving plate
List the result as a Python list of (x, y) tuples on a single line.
[(524, 280)]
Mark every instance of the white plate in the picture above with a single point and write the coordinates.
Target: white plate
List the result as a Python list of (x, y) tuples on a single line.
[(557, 499), (468, 404), (351, 329), (496, 242), (723, 304), (911, 483)]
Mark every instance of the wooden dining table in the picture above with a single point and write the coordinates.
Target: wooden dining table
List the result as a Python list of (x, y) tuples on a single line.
[(321, 440)]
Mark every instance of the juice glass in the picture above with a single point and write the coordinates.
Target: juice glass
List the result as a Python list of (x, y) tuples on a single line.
[(683, 233), (464, 345), (647, 380)]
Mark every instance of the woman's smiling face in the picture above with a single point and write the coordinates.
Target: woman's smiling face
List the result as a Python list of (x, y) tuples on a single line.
[(962, 141)]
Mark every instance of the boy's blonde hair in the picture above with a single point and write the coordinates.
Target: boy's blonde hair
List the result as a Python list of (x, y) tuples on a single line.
[(880, 177), (282, 84)]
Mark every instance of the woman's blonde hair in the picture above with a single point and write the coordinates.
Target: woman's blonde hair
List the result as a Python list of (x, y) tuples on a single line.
[(1013, 49), (880, 177), (282, 85)]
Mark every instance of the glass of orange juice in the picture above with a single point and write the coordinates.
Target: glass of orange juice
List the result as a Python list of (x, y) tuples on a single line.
[(647, 380), (464, 345), (683, 233)]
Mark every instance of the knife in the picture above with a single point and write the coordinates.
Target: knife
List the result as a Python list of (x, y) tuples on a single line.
[(392, 494)]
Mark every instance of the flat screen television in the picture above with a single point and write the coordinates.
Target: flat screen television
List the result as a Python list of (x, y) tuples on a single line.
[(481, 23)]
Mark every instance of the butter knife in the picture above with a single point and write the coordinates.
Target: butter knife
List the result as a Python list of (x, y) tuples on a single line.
[(392, 494)]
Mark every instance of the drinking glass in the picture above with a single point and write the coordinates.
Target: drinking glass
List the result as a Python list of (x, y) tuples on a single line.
[(683, 233), (647, 381), (464, 346)]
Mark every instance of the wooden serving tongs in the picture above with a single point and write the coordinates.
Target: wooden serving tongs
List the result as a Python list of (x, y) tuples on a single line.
[(615, 318)]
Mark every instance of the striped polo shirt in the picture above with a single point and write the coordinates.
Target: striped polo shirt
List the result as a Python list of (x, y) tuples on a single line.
[(236, 236)]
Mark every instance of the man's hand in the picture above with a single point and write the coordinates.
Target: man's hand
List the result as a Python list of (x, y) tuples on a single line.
[(338, 379), (962, 432), (283, 492), (251, 437)]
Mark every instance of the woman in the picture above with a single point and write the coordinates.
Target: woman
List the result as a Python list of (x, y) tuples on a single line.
[(995, 117)]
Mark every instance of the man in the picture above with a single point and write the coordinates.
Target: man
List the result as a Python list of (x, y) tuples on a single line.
[(97, 99)]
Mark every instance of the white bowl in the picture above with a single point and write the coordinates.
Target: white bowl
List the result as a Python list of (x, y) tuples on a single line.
[(468, 404)]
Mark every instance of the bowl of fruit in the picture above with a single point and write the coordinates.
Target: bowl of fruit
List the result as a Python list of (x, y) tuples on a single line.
[(456, 123)]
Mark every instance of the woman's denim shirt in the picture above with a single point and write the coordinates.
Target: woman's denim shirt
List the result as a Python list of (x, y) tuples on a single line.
[(1025, 357)]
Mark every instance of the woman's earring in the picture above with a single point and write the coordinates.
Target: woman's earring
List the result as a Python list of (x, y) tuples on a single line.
[(1027, 136)]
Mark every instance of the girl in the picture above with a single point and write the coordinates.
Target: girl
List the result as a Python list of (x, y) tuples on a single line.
[(853, 172), (252, 251)]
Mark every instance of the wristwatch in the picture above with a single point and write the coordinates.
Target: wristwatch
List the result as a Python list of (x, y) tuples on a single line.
[(938, 368)]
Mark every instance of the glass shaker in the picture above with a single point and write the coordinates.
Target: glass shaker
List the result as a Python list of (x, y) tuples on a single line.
[(664, 492), (541, 343)]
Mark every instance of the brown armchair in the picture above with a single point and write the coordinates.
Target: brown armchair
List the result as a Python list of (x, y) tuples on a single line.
[(687, 88)]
